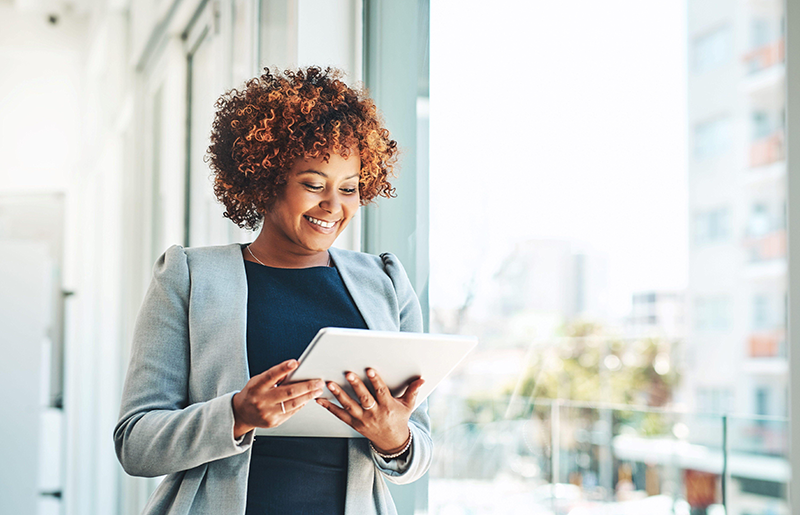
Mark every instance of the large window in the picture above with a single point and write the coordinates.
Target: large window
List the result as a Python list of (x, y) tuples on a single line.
[(626, 282)]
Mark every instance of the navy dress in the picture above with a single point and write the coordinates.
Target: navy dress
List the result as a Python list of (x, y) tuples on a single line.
[(285, 309)]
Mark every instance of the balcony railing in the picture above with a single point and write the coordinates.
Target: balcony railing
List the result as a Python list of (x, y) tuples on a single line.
[(767, 344), (767, 150), (765, 56), (768, 247), (560, 457)]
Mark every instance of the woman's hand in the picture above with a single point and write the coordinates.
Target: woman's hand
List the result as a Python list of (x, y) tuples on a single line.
[(382, 418), (262, 403)]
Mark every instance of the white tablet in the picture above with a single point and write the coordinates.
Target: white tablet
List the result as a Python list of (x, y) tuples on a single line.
[(396, 356)]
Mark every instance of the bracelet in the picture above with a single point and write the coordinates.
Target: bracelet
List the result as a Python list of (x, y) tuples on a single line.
[(395, 455)]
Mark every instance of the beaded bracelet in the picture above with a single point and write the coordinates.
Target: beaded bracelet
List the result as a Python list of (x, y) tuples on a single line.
[(395, 455)]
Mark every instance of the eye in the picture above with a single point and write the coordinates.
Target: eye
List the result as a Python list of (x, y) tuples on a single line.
[(312, 187), (349, 191)]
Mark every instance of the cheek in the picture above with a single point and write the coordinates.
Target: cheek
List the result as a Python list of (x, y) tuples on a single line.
[(352, 206)]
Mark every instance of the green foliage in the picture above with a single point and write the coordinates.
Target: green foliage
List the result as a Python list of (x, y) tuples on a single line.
[(589, 365)]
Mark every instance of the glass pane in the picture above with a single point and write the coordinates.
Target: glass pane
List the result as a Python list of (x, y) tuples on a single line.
[(608, 216), (243, 46), (278, 34), (207, 226)]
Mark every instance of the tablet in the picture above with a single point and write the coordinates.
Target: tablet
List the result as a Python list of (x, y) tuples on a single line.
[(396, 356)]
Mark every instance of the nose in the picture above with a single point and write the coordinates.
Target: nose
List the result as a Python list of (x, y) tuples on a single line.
[(331, 203)]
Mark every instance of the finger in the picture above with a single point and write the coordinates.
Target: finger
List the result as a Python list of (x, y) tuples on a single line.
[(364, 396), (291, 391), (289, 410), (301, 400), (382, 393), (345, 400), (410, 397), (273, 375), (338, 412)]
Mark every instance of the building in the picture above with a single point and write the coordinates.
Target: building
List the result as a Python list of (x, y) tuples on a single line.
[(736, 331), (657, 312)]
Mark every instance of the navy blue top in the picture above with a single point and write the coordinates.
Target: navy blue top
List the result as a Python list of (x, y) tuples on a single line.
[(285, 309)]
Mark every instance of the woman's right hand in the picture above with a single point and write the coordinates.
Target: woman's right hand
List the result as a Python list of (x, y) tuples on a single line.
[(259, 402)]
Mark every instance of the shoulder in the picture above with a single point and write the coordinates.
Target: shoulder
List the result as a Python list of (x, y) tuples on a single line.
[(363, 262), (178, 266), (171, 265), (213, 252), (355, 259)]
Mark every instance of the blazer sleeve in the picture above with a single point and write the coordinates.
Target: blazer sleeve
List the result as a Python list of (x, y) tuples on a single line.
[(415, 463), (158, 431)]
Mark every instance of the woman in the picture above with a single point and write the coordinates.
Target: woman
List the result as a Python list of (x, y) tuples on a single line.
[(296, 153)]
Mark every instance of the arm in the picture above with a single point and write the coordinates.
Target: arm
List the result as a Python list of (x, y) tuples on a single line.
[(158, 431)]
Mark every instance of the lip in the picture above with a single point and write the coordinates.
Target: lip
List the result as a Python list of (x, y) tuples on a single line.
[(319, 228)]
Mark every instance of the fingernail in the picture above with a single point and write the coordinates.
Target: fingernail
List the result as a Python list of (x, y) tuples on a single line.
[(320, 385), (293, 364), (351, 377), (321, 402), (370, 372), (331, 387), (317, 393)]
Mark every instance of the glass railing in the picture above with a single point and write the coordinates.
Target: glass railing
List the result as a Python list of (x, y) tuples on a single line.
[(557, 457), (767, 344)]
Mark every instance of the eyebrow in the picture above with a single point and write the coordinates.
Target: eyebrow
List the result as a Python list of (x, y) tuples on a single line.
[(317, 172)]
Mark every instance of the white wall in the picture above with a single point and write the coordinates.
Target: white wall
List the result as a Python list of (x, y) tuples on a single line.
[(24, 304), (40, 87)]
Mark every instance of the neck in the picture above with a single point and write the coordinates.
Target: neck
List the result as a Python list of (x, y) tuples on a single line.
[(275, 256)]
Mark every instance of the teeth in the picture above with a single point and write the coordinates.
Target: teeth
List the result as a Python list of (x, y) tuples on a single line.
[(321, 223)]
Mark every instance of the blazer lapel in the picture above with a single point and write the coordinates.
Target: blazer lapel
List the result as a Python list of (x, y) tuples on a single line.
[(369, 287)]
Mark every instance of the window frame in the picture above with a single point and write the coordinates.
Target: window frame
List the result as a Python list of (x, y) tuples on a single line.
[(792, 27)]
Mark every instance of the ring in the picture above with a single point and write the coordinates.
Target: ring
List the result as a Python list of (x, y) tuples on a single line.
[(369, 407), (283, 409)]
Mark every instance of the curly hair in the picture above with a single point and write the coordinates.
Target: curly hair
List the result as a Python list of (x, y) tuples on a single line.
[(278, 118)]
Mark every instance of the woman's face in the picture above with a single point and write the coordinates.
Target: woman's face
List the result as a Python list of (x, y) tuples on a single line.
[(318, 201)]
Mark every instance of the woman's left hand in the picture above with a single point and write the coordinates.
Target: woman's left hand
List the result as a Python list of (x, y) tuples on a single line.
[(382, 418)]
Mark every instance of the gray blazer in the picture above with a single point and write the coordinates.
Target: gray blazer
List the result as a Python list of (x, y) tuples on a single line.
[(189, 358)]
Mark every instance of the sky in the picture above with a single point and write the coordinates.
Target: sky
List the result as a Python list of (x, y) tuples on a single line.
[(559, 120)]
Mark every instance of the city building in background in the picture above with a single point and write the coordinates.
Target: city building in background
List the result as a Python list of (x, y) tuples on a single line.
[(678, 406), (657, 312), (737, 362)]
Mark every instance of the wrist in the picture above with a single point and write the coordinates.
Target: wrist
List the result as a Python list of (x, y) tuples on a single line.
[(395, 452), (239, 427)]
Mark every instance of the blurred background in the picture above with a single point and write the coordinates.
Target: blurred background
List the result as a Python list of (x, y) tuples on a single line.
[(597, 190)]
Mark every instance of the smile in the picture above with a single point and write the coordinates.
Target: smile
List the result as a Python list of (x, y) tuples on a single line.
[(321, 223)]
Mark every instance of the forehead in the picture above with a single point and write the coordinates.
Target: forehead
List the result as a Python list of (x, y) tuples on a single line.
[(335, 167)]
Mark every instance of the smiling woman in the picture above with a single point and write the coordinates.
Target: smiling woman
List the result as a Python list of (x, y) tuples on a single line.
[(261, 132), (319, 199), (297, 153)]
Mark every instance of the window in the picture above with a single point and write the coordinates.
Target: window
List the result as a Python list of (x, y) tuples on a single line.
[(761, 32), (762, 316), (760, 222), (712, 138), (712, 226), (762, 400), (712, 313), (763, 125), (504, 230), (712, 50)]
